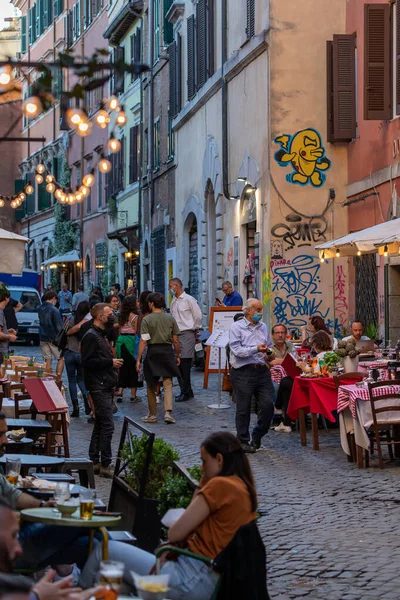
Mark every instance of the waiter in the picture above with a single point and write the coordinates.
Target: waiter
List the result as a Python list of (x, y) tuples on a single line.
[(187, 314), (249, 340)]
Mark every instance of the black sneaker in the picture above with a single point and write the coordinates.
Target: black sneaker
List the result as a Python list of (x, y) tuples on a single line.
[(249, 448), (119, 399), (256, 442), (182, 398), (91, 420)]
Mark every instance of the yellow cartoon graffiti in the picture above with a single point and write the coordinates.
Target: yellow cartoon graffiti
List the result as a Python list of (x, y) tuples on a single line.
[(304, 151)]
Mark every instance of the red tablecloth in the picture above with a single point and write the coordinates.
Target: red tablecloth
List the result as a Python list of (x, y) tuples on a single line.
[(313, 395)]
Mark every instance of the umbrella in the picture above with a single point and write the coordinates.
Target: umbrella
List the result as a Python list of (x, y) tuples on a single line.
[(12, 252), (365, 240)]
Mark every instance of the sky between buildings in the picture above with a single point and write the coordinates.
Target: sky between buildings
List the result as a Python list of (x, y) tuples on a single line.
[(6, 10)]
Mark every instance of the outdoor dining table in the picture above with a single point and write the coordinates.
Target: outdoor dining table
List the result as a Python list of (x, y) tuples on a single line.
[(28, 461), (355, 415), (34, 429), (50, 516)]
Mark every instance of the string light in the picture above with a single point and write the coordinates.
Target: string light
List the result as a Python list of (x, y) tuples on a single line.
[(75, 116), (112, 103), (358, 252), (71, 198), (49, 178), (58, 193), (22, 196), (88, 180), (337, 253), (121, 118), (32, 107), (104, 165), (84, 190), (102, 118), (84, 128), (40, 168), (385, 250), (39, 178), (29, 189), (5, 74), (50, 187), (1, 202), (323, 257), (78, 196), (114, 145)]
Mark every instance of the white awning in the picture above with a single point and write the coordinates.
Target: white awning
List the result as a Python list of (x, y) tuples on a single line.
[(72, 256), (365, 240), (12, 252)]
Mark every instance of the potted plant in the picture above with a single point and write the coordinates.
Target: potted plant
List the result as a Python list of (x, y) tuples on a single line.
[(331, 360), (349, 354)]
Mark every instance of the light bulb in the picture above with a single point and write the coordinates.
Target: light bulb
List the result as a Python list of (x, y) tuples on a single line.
[(385, 251), (121, 118), (114, 145), (102, 118), (78, 196), (1, 202), (50, 187), (112, 103), (71, 198), (5, 74), (84, 190), (49, 178), (105, 165), (358, 252), (337, 253), (29, 189), (63, 198), (40, 168), (58, 193), (88, 180), (22, 196), (84, 128), (32, 107), (39, 178), (75, 116)]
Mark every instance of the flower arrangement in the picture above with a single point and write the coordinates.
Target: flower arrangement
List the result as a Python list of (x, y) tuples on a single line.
[(347, 348)]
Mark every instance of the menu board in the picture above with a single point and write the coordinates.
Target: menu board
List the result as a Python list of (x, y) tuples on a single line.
[(221, 318), (45, 394)]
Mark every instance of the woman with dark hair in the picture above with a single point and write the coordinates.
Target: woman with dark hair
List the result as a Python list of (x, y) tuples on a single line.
[(73, 362), (114, 302), (316, 323), (126, 349), (321, 343), (225, 501)]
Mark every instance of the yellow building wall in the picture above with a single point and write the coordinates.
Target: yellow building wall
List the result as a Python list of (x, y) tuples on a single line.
[(304, 167)]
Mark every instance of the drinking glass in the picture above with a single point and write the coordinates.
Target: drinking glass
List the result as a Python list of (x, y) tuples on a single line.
[(111, 577), (13, 469), (86, 499), (62, 492)]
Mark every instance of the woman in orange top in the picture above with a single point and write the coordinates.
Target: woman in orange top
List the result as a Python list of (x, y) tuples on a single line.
[(225, 500)]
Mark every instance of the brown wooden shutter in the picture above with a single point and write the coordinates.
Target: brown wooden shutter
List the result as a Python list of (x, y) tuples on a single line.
[(201, 43), (329, 91), (179, 73), (191, 80), (344, 87), (377, 69), (398, 57), (172, 80)]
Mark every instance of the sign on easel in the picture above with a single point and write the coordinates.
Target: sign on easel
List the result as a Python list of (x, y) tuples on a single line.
[(221, 319)]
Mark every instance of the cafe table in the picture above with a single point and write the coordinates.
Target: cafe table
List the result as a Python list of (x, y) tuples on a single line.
[(50, 516), (28, 461), (34, 429), (355, 415)]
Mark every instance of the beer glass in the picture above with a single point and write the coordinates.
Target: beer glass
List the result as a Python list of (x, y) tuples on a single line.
[(13, 469), (87, 498), (111, 577)]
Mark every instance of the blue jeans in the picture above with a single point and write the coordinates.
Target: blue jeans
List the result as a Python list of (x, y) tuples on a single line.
[(189, 579), (74, 368), (44, 545)]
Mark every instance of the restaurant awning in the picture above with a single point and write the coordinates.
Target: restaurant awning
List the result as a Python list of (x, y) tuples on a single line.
[(68, 257), (12, 252), (371, 239)]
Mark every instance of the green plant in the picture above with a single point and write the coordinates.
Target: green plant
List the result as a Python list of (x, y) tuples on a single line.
[(112, 207), (372, 331), (177, 491), (331, 359), (160, 468), (344, 332)]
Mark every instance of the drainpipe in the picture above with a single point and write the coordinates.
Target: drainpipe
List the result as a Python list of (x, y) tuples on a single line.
[(150, 135), (82, 153), (224, 97)]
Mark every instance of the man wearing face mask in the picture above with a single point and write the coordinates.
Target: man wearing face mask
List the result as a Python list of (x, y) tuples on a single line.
[(101, 376), (249, 342)]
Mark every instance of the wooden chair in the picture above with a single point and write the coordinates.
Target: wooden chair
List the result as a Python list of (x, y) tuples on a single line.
[(59, 424), (382, 430), (17, 392), (344, 379)]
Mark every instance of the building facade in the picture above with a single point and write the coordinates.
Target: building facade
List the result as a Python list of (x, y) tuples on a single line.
[(10, 38)]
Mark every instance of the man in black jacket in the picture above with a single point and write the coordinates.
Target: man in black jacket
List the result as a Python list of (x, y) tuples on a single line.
[(100, 374)]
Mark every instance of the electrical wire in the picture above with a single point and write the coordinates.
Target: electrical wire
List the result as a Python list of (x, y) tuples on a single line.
[(288, 205)]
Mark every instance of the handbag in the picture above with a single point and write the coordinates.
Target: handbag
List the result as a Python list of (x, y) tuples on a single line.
[(226, 379), (61, 338)]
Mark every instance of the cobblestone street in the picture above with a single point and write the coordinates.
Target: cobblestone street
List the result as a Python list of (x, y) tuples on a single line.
[(331, 530)]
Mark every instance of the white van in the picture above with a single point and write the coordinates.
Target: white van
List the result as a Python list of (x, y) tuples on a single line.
[(27, 317)]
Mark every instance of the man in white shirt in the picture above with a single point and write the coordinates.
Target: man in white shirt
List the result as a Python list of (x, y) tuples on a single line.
[(357, 330), (187, 314)]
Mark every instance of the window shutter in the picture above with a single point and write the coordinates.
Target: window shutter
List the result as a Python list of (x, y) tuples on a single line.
[(398, 57), (251, 18), (172, 80), (179, 73), (133, 47), (138, 45), (210, 37), (191, 80), (44, 200), (33, 14), (201, 44), (45, 16), (39, 17), (131, 144), (119, 78), (168, 27), (23, 35), (329, 91), (30, 30), (19, 185), (344, 87), (377, 71)]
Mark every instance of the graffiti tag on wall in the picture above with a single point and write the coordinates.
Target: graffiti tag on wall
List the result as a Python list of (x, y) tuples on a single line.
[(341, 305), (296, 286), (301, 232), (305, 153)]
